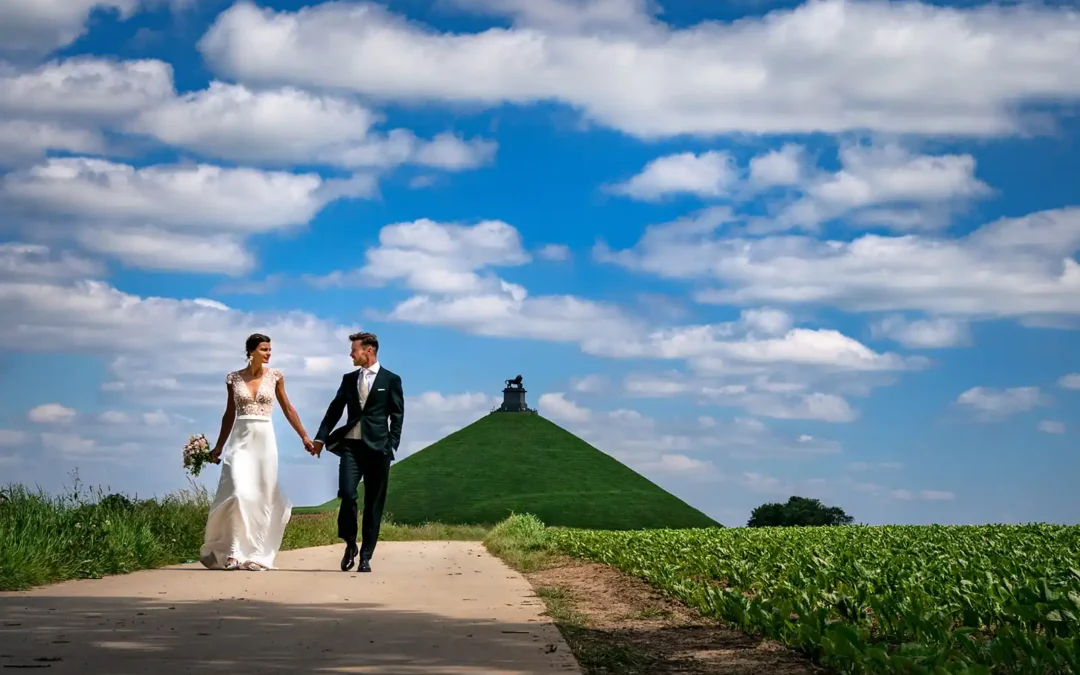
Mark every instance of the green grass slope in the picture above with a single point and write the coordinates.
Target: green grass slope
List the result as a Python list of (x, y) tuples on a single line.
[(521, 463)]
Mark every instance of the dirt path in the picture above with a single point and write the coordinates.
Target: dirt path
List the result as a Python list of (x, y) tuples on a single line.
[(428, 607)]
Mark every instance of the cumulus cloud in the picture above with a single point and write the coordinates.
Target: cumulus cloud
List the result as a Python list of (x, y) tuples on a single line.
[(286, 126), (51, 413), (929, 495), (933, 333), (10, 437), (760, 337), (1070, 381), (681, 449), (877, 185), (922, 68), (85, 89), (1051, 427), (642, 441), (191, 217), (991, 403), (1011, 267), (706, 175), (20, 261), (883, 185), (557, 407), (554, 252), (36, 27), (448, 266), (444, 258), (757, 395)]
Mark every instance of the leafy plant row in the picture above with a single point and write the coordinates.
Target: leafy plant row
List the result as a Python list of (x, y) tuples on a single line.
[(860, 599)]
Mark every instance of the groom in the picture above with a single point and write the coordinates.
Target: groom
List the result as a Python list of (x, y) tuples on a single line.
[(366, 444)]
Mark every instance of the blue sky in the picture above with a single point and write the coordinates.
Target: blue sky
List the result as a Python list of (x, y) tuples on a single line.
[(825, 249)]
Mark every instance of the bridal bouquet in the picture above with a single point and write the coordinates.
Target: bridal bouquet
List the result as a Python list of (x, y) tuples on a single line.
[(196, 454)]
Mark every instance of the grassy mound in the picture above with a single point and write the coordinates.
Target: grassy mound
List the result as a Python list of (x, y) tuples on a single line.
[(508, 463)]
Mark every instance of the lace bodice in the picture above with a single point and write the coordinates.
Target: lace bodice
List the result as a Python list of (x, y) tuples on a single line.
[(263, 403)]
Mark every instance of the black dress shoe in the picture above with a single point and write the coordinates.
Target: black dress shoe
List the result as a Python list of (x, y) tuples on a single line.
[(365, 565), (349, 559)]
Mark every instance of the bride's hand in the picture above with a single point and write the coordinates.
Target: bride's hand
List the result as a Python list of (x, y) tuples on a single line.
[(308, 445), (215, 455)]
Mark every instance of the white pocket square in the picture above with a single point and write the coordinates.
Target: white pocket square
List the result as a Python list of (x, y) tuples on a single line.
[(381, 389)]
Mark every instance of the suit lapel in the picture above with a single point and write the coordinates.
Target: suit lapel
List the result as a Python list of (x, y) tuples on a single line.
[(378, 379)]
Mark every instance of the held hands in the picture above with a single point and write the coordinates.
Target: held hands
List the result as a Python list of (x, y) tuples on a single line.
[(313, 447)]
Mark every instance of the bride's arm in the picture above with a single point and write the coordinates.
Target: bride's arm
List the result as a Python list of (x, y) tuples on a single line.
[(227, 419), (289, 411)]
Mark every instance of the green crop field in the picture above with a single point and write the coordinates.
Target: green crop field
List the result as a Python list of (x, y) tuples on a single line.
[(894, 599)]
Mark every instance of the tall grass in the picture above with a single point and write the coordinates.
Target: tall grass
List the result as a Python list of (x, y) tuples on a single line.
[(522, 541), (86, 534), (89, 534)]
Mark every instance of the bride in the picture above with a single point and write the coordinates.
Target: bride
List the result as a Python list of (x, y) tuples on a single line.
[(249, 512)]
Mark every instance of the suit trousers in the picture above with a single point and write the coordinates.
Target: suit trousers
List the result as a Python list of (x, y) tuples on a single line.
[(373, 467)]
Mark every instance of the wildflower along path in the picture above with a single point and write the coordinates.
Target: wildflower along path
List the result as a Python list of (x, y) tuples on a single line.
[(429, 607)]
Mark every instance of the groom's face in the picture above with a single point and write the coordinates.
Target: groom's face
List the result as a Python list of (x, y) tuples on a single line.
[(362, 355)]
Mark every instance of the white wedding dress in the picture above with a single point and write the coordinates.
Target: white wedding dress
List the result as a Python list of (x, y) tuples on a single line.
[(249, 512)]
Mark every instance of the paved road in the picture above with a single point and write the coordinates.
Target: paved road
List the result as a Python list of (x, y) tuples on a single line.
[(428, 607)]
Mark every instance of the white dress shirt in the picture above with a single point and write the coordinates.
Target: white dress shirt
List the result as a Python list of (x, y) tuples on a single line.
[(369, 378)]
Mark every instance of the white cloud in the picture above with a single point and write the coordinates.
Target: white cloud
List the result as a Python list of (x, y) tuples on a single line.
[(989, 403), (36, 27), (866, 466), (68, 444), (929, 495), (1070, 381), (9, 437), (883, 185), (23, 142), (1051, 427), (642, 441), (922, 68), (1012, 267), (167, 217), (682, 466), (778, 168), (936, 495), (554, 252), (31, 261), (708, 175), (757, 395), (447, 264), (51, 413), (84, 89), (556, 407), (286, 126), (923, 333), (176, 350), (590, 384), (114, 417), (440, 258), (201, 195), (760, 338)]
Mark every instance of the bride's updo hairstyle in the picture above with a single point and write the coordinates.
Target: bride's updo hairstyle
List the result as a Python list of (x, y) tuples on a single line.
[(253, 343)]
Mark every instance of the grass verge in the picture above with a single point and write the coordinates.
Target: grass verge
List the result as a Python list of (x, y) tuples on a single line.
[(521, 541), (89, 534)]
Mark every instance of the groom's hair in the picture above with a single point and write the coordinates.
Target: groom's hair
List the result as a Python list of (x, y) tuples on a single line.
[(365, 340)]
